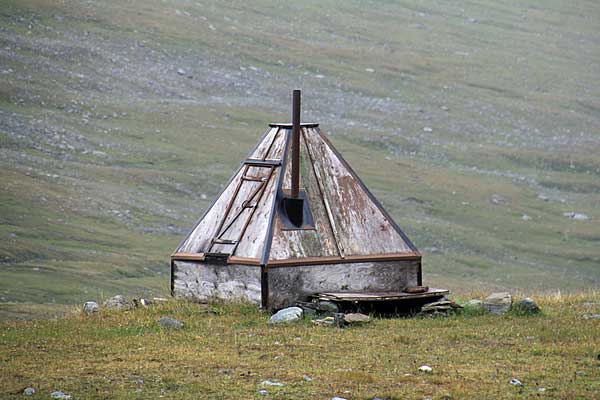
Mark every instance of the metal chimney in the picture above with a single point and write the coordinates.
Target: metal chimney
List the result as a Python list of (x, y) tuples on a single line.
[(295, 194)]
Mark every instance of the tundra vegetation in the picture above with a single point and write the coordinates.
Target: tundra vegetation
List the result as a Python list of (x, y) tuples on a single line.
[(228, 351)]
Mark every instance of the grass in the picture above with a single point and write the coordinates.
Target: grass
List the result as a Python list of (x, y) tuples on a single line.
[(228, 352)]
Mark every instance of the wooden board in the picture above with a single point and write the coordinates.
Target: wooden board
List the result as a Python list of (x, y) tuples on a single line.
[(379, 296)]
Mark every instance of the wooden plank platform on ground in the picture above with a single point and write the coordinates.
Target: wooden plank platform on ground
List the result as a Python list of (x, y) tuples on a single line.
[(380, 296)]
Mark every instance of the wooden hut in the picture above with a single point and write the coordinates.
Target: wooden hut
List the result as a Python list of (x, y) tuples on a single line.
[(293, 221)]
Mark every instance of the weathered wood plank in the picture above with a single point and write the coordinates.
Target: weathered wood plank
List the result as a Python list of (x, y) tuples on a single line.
[(304, 243), (361, 226)]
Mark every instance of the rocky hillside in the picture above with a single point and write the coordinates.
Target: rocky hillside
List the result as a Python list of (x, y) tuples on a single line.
[(476, 125)]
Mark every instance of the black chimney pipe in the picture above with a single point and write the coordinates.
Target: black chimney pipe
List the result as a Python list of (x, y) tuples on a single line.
[(296, 144)]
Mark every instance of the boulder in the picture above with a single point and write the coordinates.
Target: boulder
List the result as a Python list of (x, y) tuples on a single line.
[(356, 318), (425, 368), (90, 307), (118, 302), (527, 306), (286, 315), (60, 395), (439, 307), (171, 323), (498, 303), (29, 391)]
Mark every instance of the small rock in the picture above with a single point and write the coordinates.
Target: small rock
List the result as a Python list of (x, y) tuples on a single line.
[(337, 398), (327, 321), (591, 316), (577, 216), (541, 389), (543, 197), (118, 302), (498, 199), (168, 322), (425, 368), (526, 217), (146, 302), (516, 382), (271, 383), (307, 378), (264, 392), (160, 300), (371, 70), (427, 129), (29, 391), (440, 307), (286, 315), (59, 394), (90, 307), (356, 318), (180, 71), (498, 303), (527, 306)]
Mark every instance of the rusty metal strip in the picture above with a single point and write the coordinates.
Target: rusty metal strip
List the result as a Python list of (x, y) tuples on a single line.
[(307, 261), (293, 262), (222, 190), (369, 194), (324, 199)]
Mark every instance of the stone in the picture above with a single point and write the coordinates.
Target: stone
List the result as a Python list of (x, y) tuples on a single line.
[(29, 391), (337, 398), (59, 394), (180, 71), (425, 368), (271, 383), (90, 307), (264, 392), (427, 129), (118, 302), (145, 302), (440, 307), (515, 382), (286, 315), (499, 199), (527, 306), (591, 316), (356, 318), (526, 217), (498, 303), (307, 378), (577, 216), (171, 323), (327, 321)]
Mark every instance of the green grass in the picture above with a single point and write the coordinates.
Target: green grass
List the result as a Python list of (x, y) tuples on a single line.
[(228, 352)]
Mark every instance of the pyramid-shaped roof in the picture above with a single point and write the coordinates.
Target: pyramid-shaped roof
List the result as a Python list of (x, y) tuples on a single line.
[(246, 224)]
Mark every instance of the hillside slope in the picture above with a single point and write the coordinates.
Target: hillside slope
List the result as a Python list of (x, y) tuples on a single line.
[(477, 127)]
